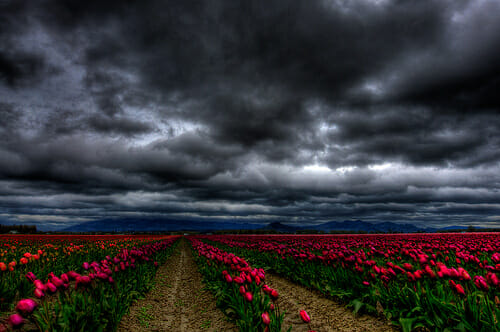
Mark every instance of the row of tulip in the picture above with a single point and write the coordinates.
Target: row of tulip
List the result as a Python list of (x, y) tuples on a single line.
[(440, 281), (240, 290), (94, 299), (44, 254)]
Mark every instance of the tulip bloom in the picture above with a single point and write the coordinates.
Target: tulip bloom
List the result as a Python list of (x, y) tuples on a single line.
[(39, 293), (265, 318), (248, 296), (65, 278), (26, 306), (51, 287), (460, 290), (305, 317), (16, 320), (30, 276)]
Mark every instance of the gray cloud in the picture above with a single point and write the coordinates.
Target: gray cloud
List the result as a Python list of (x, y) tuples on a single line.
[(302, 111)]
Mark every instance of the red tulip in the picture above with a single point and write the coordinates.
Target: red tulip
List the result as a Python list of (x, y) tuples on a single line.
[(460, 290), (305, 317)]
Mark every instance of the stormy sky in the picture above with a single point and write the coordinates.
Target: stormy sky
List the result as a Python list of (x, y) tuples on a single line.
[(258, 111)]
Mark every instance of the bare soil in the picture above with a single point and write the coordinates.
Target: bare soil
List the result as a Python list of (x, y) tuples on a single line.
[(178, 301), (326, 315)]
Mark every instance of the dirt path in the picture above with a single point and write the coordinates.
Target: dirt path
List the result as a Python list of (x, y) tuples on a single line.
[(326, 315), (178, 302)]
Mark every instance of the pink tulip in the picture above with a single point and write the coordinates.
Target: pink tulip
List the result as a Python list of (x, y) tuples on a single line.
[(248, 296), (82, 280), (72, 275), (65, 278), (265, 318), (39, 293), (30, 276), (57, 282), (305, 317), (51, 287), (39, 284), (16, 320), (26, 306)]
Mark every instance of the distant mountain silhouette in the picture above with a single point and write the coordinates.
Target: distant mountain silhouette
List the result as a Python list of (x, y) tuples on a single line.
[(156, 224), (353, 226), (165, 224)]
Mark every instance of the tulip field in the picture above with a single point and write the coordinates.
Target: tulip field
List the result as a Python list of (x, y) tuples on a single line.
[(418, 282), (442, 282), (75, 283)]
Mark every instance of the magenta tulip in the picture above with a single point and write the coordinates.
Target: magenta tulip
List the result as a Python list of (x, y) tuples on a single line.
[(305, 317), (26, 306)]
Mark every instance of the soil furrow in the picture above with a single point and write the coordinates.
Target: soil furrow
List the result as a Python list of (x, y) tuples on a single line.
[(326, 315), (178, 302)]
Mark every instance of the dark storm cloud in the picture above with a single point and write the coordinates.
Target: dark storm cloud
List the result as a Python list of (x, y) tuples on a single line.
[(237, 108)]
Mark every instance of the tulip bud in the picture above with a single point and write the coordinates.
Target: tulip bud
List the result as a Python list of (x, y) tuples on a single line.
[(305, 317)]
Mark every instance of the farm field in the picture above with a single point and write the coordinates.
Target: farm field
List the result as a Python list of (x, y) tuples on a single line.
[(435, 282)]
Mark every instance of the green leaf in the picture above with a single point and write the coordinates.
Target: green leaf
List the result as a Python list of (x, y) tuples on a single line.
[(357, 304), (407, 323)]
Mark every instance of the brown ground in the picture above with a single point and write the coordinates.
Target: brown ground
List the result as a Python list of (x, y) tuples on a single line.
[(326, 315), (178, 302)]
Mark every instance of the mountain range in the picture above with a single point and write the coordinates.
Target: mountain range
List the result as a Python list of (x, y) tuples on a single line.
[(150, 224)]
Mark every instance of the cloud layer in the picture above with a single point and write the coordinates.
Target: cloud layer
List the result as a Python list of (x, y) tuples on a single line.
[(301, 111)]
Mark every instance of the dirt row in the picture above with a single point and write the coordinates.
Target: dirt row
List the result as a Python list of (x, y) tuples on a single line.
[(326, 315), (179, 302)]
